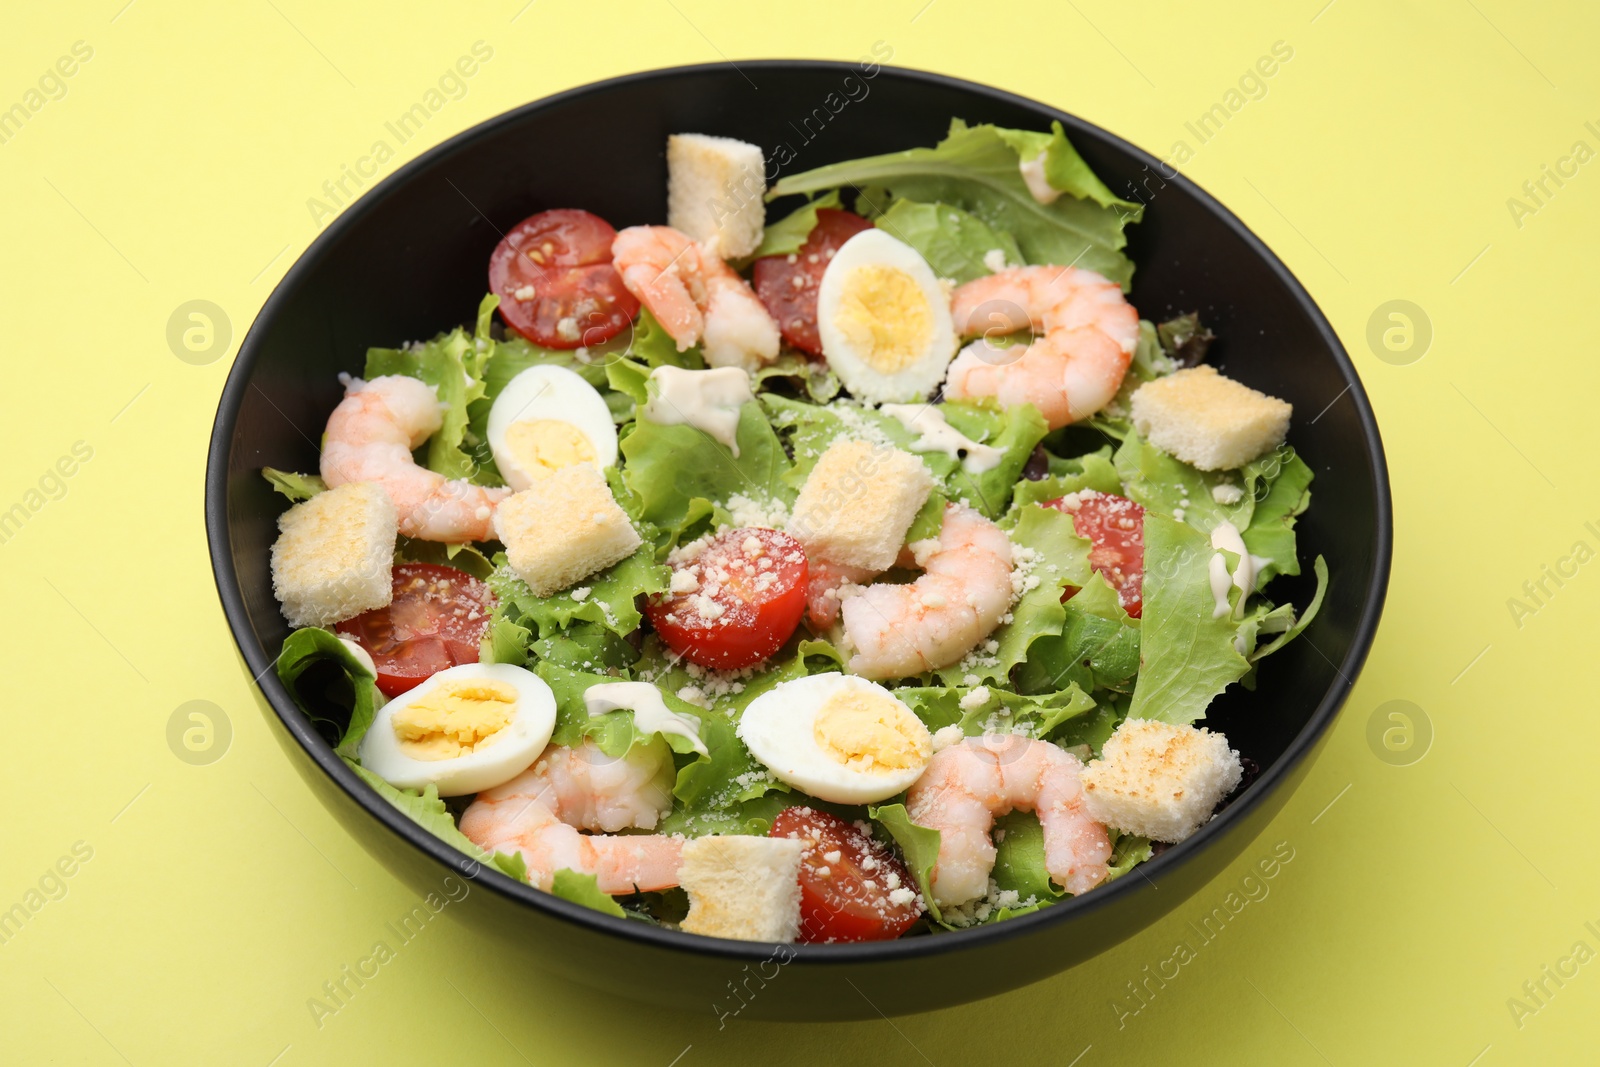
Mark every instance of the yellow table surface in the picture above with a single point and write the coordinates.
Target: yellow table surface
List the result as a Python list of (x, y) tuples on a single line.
[(1385, 160)]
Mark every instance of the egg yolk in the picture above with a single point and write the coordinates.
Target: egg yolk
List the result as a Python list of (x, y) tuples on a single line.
[(884, 317), (454, 719), (541, 446), (869, 732)]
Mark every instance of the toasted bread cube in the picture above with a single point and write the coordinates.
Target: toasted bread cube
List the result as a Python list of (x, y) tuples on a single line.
[(564, 528), (715, 192), (745, 888), (1158, 780), (1207, 420), (858, 503), (334, 553)]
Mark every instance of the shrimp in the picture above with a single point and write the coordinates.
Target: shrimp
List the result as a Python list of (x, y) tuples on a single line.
[(696, 297), (540, 812), (369, 439), (966, 785), (1089, 332), (901, 630), (826, 585)]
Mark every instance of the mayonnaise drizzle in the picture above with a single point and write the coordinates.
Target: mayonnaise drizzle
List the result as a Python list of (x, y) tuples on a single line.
[(937, 435), (708, 400), (1243, 578), (650, 713), (1033, 177)]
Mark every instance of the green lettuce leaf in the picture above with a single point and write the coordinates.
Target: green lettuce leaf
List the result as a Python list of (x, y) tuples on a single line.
[(1097, 648), (1064, 169), (584, 889), (784, 237), (1127, 853), (607, 599), (1295, 625), (1189, 654), (919, 845), (980, 710), (463, 557), (1270, 534), (454, 364), (1019, 862), (427, 810), (974, 168), (668, 467), (616, 732), (954, 242), (1092, 470), (344, 686), (651, 343), (819, 383), (296, 487)]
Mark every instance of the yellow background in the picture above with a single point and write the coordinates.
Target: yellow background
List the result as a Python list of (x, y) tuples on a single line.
[(1378, 165)]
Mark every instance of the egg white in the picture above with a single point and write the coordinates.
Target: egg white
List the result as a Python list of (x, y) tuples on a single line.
[(914, 382), (558, 394), (778, 727), (497, 761)]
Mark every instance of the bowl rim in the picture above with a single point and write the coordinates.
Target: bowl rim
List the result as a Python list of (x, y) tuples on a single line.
[(259, 662)]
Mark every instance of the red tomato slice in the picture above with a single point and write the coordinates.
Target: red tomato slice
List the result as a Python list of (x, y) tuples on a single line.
[(560, 261), (1114, 526), (749, 594), (436, 620), (787, 285), (848, 882)]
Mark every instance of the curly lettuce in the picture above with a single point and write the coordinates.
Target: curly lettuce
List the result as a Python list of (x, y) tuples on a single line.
[(978, 169)]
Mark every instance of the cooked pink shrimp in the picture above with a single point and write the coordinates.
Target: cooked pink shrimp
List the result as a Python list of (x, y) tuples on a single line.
[(696, 296), (1089, 332), (370, 437), (901, 630), (824, 583), (968, 784), (540, 812)]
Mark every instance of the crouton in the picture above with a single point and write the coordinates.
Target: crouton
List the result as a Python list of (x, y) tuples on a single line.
[(564, 528), (333, 555), (715, 190), (1158, 780), (858, 503), (1207, 420), (745, 888)]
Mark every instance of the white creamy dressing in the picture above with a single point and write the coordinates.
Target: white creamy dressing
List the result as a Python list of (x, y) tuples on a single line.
[(937, 435), (708, 400), (361, 655), (650, 713), (1243, 578), (1033, 177)]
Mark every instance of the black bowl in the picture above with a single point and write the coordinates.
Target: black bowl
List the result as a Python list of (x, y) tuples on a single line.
[(409, 259)]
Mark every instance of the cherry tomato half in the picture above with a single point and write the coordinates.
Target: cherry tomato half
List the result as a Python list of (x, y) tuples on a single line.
[(436, 620), (740, 597), (560, 263), (787, 285), (1114, 526), (852, 888)]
